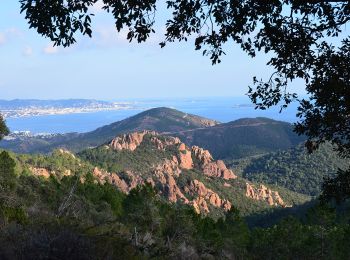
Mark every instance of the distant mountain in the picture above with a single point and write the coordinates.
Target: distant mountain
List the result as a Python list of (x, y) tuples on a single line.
[(244, 137), (159, 119)]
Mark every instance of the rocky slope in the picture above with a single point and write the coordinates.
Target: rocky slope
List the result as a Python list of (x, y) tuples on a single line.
[(164, 174), (179, 173)]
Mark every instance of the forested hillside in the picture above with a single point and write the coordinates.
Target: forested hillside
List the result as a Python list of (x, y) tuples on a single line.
[(244, 137), (294, 169), (54, 207)]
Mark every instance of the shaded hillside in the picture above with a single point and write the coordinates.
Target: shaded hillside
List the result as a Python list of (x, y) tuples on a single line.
[(244, 137), (294, 168), (158, 119)]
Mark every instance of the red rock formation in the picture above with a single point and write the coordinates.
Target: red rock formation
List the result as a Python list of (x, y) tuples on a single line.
[(218, 169), (168, 166), (112, 178), (129, 141), (185, 157), (210, 167), (200, 205), (164, 174), (161, 145), (201, 155), (198, 189), (172, 191), (42, 172), (264, 194)]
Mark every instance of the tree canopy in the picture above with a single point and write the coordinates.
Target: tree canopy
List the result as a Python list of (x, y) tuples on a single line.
[(3, 128), (305, 40)]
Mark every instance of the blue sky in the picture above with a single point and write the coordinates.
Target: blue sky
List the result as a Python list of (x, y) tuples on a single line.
[(108, 67)]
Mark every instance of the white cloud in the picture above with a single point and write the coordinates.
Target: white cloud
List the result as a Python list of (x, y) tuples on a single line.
[(28, 51), (50, 49)]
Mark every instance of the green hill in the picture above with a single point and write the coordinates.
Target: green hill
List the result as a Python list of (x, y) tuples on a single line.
[(243, 138), (293, 168)]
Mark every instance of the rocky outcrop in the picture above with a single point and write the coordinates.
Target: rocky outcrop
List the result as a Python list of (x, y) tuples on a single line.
[(168, 166), (185, 157), (264, 194), (202, 156), (130, 182), (128, 141), (163, 144), (172, 191), (64, 151), (40, 172), (204, 196), (164, 175), (112, 178), (200, 205), (210, 167), (218, 169)]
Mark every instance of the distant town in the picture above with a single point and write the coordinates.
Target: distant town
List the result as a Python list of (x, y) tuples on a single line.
[(28, 108)]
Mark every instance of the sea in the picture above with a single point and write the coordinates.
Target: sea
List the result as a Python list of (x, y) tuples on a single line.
[(222, 109)]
